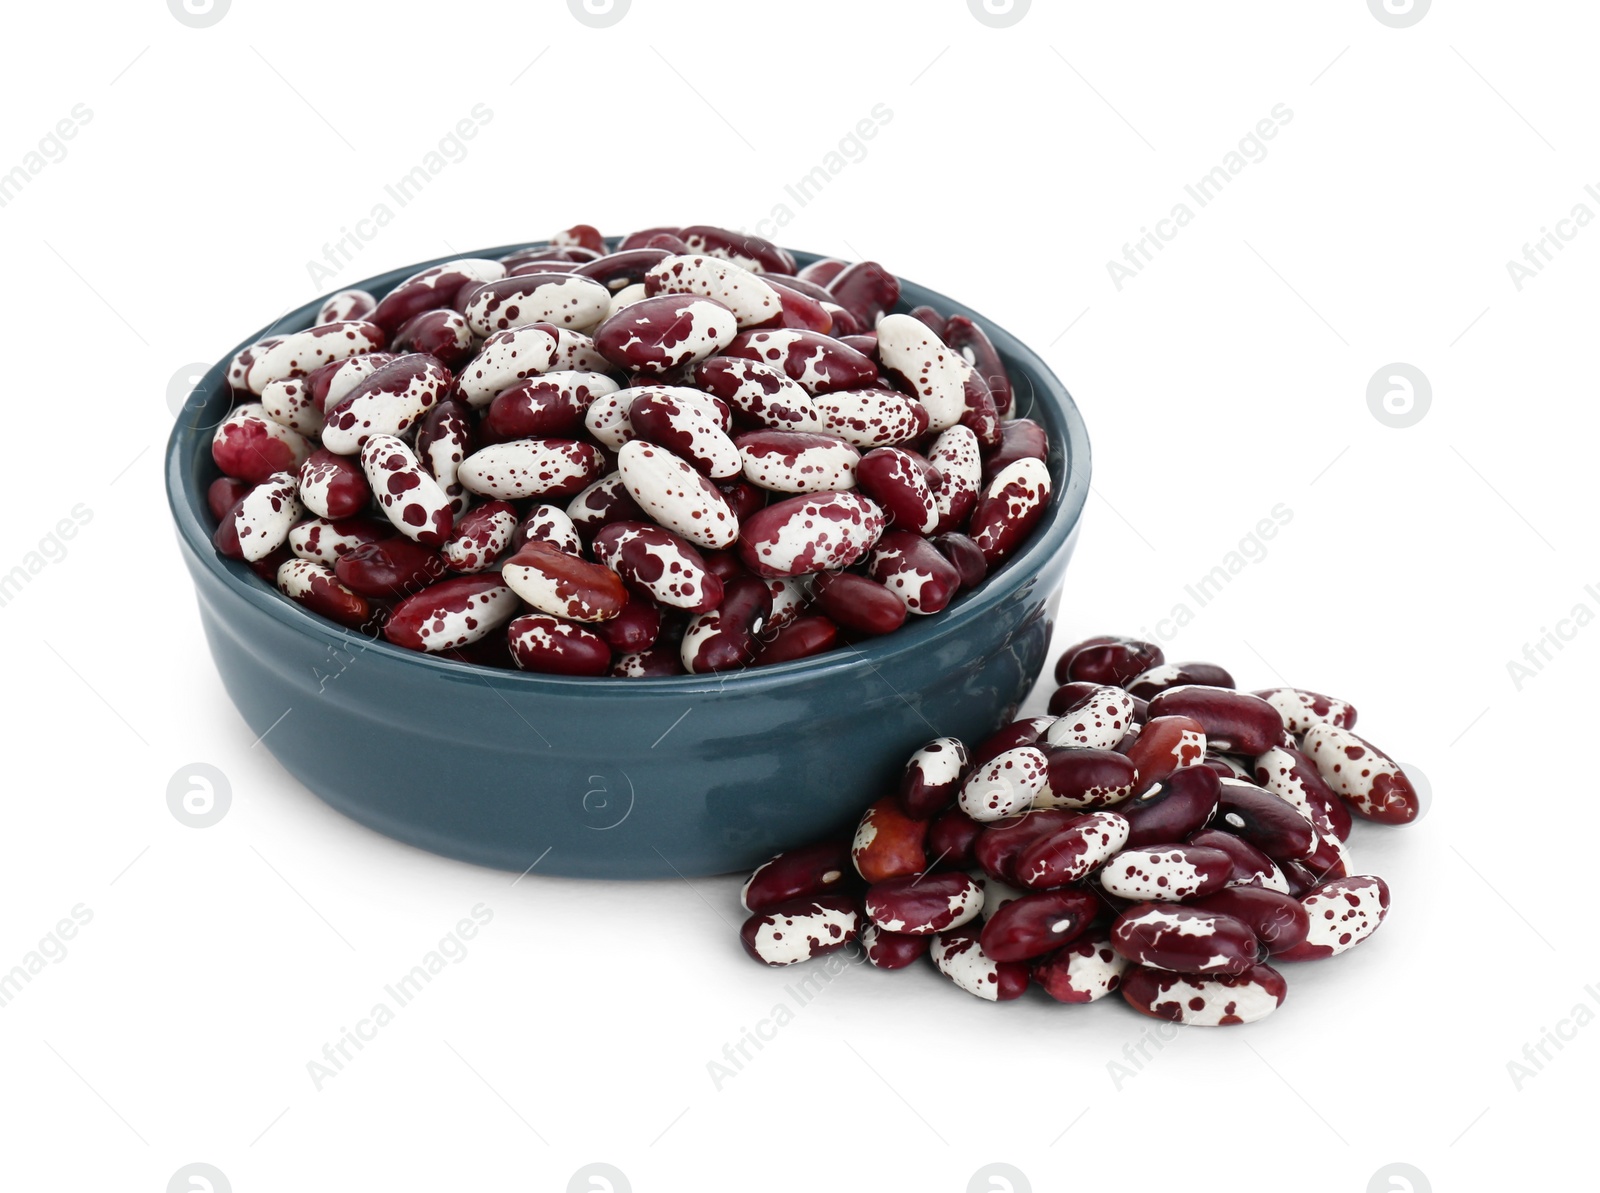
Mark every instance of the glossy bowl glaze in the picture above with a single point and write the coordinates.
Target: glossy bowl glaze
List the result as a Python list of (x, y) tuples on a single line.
[(621, 778)]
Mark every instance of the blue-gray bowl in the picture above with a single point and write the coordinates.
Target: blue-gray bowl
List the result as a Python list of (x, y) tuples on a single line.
[(621, 778)]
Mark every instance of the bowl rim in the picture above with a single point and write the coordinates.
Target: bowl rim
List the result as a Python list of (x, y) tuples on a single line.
[(1061, 523)]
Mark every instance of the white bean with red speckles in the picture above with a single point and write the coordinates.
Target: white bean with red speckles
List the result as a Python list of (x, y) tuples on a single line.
[(751, 300), (938, 375), (266, 514), (1005, 785), (676, 496), (870, 417), (549, 524), (322, 541), (410, 498), (481, 536), (346, 304), (508, 357), (299, 352), (288, 401), (1097, 722), (529, 468)]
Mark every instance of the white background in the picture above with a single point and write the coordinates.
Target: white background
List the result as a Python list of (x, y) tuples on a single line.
[(1228, 377)]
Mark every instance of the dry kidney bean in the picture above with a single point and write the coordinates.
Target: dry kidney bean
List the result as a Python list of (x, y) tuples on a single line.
[(799, 639), (726, 637), (410, 498), (759, 392), (952, 837), (1251, 867), (1005, 785), (562, 299), (931, 317), (249, 446), (888, 843), (290, 403), (1112, 663), (451, 613), (1165, 745), (898, 481), (752, 301), (1289, 774), (1279, 920), (909, 566), (803, 873), (621, 269), (822, 271), (924, 904), (1009, 508), (871, 417), (1158, 679), (892, 950), (552, 404), (443, 335), (659, 564), (333, 486), (932, 777), (223, 492), (858, 603), (301, 352), (742, 248), (1000, 846), (446, 436), (259, 522), (1174, 809), (432, 289), (675, 495), (1216, 1001), (480, 537), (658, 334), (523, 468), (1369, 780), (1081, 778), (1036, 924), (965, 556), (691, 430), (808, 533), (1086, 970), (390, 568), (635, 629), (957, 456), (563, 585), (1301, 709), (801, 930), (315, 586), (331, 383), (1073, 852), (346, 304), (1184, 939), (388, 402), (797, 461), (913, 354), (1166, 873), (554, 646), (960, 957), (548, 524), (866, 289), (1098, 721), (1227, 767), (817, 362), (1021, 439), (1235, 722), (1341, 914), (661, 659), (606, 501), (1270, 823), (970, 340)]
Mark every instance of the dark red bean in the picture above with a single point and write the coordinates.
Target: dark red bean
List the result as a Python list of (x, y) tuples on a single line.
[(226, 491), (1279, 921), (893, 950), (622, 269), (822, 271), (1172, 936), (555, 646), (724, 638), (800, 639), (1164, 745), (1235, 722), (639, 239), (635, 629), (888, 843), (1002, 843), (395, 567), (1174, 809), (1021, 438), (931, 318), (1025, 732), (858, 603), (800, 930), (867, 290), (802, 873), (932, 776), (1251, 867), (951, 838), (923, 904), (1089, 778), (965, 556), (1270, 823), (1113, 662), (1037, 924), (742, 248), (536, 409), (443, 335)]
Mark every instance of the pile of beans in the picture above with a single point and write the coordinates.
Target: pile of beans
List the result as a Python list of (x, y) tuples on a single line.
[(684, 455), (1160, 833)]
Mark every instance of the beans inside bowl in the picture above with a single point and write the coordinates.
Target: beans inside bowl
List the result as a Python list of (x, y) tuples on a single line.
[(677, 452)]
